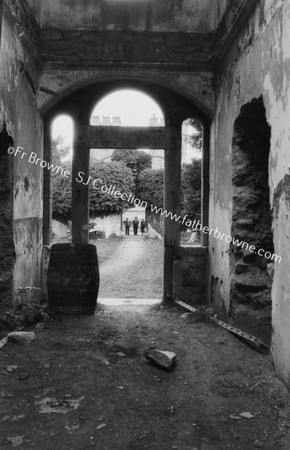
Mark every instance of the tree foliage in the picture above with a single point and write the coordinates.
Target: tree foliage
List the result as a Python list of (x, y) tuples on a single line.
[(100, 203), (112, 174), (147, 186), (59, 150), (61, 188), (195, 135), (191, 189), (151, 186), (136, 160)]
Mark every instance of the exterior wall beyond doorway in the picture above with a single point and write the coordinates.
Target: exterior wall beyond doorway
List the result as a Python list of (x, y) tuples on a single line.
[(108, 225), (131, 213)]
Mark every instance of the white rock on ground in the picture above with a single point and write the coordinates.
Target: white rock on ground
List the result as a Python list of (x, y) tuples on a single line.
[(163, 359), (22, 337)]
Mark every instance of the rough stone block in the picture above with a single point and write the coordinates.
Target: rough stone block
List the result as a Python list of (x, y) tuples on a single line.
[(164, 359), (250, 285), (5, 281), (241, 268), (245, 224), (190, 275), (249, 257)]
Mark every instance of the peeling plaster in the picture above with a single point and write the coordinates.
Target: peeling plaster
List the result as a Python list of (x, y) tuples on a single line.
[(262, 68)]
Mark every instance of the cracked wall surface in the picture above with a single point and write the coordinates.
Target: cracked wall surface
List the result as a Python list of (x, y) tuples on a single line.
[(257, 64), (112, 15), (19, 73), (7, 252)]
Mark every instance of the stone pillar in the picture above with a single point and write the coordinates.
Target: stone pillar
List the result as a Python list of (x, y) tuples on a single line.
[(205, 182), (80, 188), (47, 196), (172, 198)]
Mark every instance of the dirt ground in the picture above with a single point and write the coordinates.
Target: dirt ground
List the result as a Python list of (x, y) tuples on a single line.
[(84, 381)]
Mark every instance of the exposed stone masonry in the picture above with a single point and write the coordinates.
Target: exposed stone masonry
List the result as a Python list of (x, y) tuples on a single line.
[(251, 222), (7, 254)]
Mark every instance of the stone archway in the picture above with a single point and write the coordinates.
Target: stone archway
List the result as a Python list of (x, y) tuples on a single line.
[(198, 92), (176, 108)]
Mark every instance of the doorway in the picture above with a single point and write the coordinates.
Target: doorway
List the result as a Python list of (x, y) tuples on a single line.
[(106, 132), (130, 257)]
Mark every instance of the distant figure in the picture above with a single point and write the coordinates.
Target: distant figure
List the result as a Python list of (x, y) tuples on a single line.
[(143, 226), (135, 225), (127, 224)]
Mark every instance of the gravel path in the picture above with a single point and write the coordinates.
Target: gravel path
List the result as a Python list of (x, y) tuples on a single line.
[(133, 269)]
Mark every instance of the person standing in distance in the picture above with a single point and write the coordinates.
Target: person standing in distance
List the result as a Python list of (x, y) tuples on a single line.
[(127, 224), (135, 225), (142, 226)]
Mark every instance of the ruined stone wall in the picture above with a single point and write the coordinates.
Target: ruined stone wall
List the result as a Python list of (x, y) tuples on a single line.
[(168, 43), (7, 253), (141, 15), (257, 65), (19, 74), (251, 215), (190, 283)]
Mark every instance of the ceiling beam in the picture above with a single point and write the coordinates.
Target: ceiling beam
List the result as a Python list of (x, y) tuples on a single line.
[(126, 137)]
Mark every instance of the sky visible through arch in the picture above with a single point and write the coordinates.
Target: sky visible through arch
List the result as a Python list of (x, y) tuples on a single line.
[(133, 107)]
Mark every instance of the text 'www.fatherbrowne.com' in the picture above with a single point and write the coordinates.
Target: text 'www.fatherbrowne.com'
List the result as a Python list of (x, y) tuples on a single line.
[(112, 190), (196, 225)]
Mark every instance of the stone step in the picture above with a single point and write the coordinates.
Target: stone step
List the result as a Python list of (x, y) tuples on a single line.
[(249, 285)]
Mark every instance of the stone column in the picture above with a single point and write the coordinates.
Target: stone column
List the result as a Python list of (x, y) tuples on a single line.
[(80, 188), (172, 198), (47, 196), (205, 181)]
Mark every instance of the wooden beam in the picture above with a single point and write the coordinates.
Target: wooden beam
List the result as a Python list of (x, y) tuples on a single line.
[(126, 137)]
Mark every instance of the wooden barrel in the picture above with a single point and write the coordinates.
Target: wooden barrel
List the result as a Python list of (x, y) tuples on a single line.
[(73, 279)]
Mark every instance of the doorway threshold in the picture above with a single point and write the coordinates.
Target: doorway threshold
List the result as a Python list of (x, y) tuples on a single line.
[(129, 301)]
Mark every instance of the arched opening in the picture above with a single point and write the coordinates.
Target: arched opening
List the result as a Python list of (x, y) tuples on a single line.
[(61, 185), (95, 135), (127, 107), (7, 252), (251, 268), (134, 172)]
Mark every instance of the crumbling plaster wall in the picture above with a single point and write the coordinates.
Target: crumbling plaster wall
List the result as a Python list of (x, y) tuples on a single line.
[(221, 6), (258, 64), (19, 74), (112, 15), (35, 8)]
